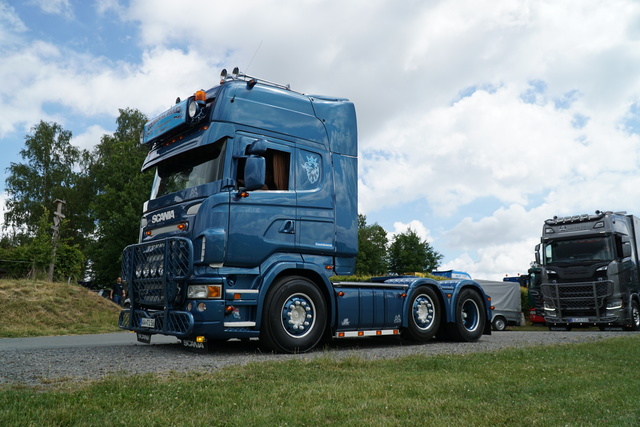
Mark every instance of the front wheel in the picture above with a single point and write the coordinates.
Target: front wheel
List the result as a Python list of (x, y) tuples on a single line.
[(470, 317), (423, 315), (635, 317), (294, 316)]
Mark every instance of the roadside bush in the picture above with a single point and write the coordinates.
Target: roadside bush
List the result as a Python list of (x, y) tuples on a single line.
[(524, 300)]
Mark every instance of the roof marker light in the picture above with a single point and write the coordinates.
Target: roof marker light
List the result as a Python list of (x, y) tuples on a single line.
[(201, 95)]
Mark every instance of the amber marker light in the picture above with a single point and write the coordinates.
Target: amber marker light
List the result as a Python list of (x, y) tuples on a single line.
[(201, 95), (182, 226), (215, 291), (200, 339), (340, 294), (148, 233)]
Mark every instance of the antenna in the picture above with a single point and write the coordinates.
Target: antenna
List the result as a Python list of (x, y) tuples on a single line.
[(254, 55)]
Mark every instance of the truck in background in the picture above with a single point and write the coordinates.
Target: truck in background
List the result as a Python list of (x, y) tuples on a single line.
[(253, 209), (531, 281), (590, 272), (452, 274), (505, 300), (536, 302)]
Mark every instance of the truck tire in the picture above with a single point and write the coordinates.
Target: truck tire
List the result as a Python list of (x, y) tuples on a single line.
[(294, 316), (470, 317), (635, 317), (499, 323), (423, 315)]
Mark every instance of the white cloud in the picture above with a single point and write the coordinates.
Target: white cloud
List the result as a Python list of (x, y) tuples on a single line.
[(90, 138), (415, 225), (55, 7)]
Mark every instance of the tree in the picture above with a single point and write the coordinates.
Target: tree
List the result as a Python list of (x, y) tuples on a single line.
[(372, 248), (48, 174), (120, 190), (409, 254)]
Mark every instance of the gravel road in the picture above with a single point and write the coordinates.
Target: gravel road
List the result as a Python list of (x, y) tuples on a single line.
[(30, 365)]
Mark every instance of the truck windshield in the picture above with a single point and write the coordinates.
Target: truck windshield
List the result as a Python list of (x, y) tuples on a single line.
[(195, 167), (586, 250)]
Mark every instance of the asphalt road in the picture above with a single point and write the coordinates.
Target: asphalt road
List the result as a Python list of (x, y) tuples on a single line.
[(48, 360), (70, 341)]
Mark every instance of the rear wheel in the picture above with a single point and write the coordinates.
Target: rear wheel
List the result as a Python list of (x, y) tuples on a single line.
[(470, 317), (294, 316), (424, 315)]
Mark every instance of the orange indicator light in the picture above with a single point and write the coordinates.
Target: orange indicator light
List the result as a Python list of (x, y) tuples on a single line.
[(201, 95)]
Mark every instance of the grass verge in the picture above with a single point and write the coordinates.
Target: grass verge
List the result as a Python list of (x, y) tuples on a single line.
[(31, 308), (580, 384)]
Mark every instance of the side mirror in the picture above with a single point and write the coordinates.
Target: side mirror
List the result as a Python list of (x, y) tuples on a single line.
[(254, 173), (537, 254), (626, 247), (257, 147)]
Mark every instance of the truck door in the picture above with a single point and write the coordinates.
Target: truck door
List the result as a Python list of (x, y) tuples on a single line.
[(263, 223)]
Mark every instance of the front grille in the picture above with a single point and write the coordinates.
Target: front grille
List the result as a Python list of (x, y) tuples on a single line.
[(154, 271), (584, 297)]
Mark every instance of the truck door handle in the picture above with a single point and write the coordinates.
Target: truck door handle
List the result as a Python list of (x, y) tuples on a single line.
[(289, 227)]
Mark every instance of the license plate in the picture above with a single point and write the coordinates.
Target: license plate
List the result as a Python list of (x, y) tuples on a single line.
[(145, 338), (579, 320), (147, 322)]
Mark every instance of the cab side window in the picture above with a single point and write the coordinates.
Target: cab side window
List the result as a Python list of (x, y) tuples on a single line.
[(277, 170), (277, 176)]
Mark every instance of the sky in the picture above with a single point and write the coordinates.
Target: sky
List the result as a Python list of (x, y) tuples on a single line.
[(477, 119)]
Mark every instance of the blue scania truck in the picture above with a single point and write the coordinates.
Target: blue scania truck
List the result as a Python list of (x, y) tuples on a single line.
[(252, 210)]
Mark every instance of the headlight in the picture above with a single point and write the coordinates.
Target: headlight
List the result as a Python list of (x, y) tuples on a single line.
[(193, 109), (614, 304), (204, 292)]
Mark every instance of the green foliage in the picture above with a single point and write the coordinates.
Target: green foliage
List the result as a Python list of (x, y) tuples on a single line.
[(41, 246), (408, 253), (120, 190), (524, 300), (47, 174), (372, 248), (16, 261)]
